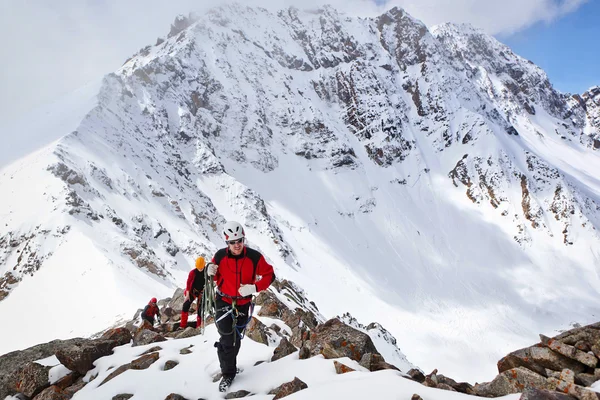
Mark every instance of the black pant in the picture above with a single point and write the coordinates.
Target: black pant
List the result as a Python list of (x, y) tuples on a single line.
[(188, 303), (226, 349)]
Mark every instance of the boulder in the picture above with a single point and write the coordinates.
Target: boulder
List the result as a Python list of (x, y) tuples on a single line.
[(13, 361), (512, 381), (52, 393), (30, 379), (416, 375), (257, 331), (537, 359), (285, 348), (80, 357), (341, 368), (237, 395), (335, 339), (375, 362), (288, 388), (145, 336), (120, 335), (531, 393), (570, 351)]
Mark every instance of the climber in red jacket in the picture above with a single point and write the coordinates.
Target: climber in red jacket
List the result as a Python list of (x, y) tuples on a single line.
[(235, 270), (150, 311), (193, 290)]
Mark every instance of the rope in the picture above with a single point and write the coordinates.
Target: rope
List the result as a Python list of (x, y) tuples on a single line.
[(208, 299)]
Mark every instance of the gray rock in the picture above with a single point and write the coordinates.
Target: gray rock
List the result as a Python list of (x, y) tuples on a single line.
[(285, 348), (52, 393), (335, 339), (257, 331), (145, 336), (11, 362), (288, 388), (31, 379), (80, 357), (512, 381), (237, 395), (531, 393)]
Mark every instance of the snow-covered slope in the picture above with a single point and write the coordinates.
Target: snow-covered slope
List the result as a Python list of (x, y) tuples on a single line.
[(433, 182)]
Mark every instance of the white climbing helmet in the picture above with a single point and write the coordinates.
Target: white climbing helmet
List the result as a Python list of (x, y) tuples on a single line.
[(233, 231)]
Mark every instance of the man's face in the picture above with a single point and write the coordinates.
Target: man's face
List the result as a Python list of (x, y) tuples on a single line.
[(236, 246)]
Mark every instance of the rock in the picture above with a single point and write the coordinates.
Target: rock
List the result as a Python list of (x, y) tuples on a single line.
[(416, 397), (375, 362), (530, 393), (285, 348), (186, 350), (288, 388), (80, 357), (31, 379), (144, 361), (67, 380), (237, 395), (120, 335), (71, 390), (115, 373), (586, 379), (174, 396), (304, 353), (170, 365), (512, 381), (271, 306), (145, 336), (140, 363), (416, 375), (341, 368), (335, 339), (570, 351), (537, 359), (52, 393), (576, 391), (151, 350), (567, 375), (11, 362), (462, 387), (444, 386), (123, 396), (188, 332), (257, 331)]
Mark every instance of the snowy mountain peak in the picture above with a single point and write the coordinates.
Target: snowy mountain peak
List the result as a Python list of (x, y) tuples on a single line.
[(421, 180)]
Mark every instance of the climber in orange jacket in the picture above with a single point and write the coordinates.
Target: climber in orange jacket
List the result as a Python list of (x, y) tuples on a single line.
[(193, 290)]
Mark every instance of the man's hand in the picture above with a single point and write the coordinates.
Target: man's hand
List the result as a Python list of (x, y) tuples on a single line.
[(211, 269), (247, 290), (186, 296)]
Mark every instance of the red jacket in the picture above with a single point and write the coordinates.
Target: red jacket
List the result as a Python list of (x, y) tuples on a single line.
[(195, 280), (234, 271), (151, 310)]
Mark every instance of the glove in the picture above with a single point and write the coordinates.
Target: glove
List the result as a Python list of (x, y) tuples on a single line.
[(211, 269), (247, 290)]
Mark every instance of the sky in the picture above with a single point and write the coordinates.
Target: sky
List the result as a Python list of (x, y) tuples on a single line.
[(50, 49), (567, 49)]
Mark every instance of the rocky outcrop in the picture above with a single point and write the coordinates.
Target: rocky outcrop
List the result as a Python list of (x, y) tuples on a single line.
[(334, 339), (288, 388)]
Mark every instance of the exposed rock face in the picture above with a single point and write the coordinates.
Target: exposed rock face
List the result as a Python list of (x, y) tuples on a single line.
[(334, 339)]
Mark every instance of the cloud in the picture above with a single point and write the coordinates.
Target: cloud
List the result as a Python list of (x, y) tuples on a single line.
[(52, 48), (493, 16)]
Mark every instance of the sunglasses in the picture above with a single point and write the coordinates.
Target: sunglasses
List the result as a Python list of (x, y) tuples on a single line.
[(236, 241)]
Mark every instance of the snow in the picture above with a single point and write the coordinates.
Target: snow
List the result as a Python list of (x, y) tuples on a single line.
[(458, 282), (192, 377)]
